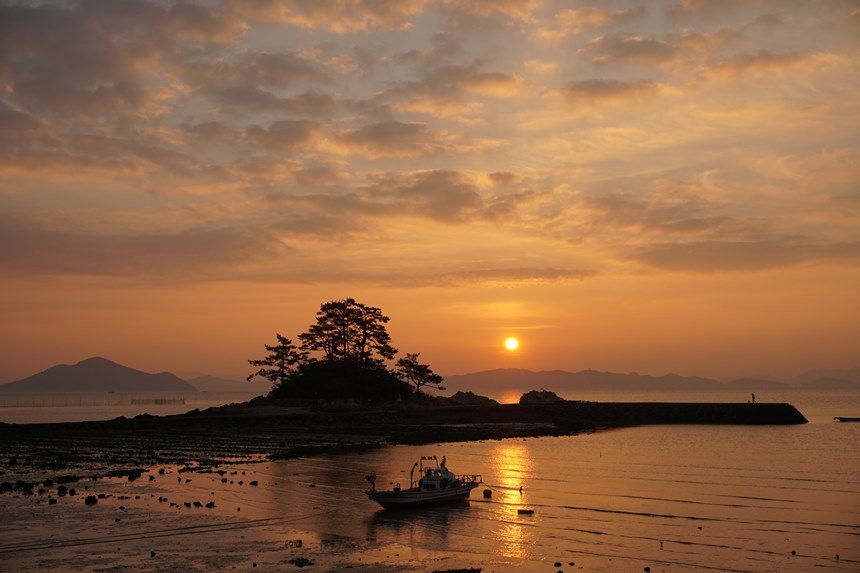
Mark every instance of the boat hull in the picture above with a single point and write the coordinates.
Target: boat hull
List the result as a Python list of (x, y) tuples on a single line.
[(413, 498)]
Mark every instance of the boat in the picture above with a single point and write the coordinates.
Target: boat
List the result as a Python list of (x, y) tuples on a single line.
[(435, 484), (844, 419)]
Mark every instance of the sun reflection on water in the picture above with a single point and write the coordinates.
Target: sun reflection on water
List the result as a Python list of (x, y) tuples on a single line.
[(512, 465)]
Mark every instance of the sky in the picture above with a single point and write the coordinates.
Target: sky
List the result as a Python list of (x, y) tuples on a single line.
[(666, 186)]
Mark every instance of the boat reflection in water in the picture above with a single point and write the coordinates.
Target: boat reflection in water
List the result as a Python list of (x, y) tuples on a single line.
[(435, 484)]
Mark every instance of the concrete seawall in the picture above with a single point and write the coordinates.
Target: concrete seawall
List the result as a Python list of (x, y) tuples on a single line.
[(463, 423)]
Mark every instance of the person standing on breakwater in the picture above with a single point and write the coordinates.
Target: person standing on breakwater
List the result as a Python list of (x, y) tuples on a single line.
[(753, 398)]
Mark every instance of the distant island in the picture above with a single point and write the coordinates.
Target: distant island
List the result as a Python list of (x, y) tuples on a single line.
[(98, 375)]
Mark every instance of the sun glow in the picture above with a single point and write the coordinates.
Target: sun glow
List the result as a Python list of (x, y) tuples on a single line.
[(512, 343)]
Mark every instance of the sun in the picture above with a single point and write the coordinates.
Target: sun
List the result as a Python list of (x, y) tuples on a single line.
[(512, 343)]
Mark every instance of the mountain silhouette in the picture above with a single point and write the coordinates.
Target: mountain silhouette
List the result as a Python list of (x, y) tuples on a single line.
[(210, 383), (561, 380), (97, 375)]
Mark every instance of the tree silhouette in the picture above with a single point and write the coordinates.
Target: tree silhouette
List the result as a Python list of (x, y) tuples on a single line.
[(281, 362), (354, 346), (418, 374), (349, 331)]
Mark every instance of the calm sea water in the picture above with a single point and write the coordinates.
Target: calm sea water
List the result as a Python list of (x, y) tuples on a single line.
[(31, 408), (672, 498)]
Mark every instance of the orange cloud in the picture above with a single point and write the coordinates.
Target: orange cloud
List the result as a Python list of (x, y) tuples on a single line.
[(608, 91), (284, 135), (739, 256), (572, 22), (27, 247), (392, 138), (760, 62), (338, 16)]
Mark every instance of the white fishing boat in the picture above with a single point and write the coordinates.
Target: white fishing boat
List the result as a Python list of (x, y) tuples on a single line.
[(435, 484)]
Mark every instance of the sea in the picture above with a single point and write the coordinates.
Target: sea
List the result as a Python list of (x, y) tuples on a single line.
[(50, 407), (649, 498)]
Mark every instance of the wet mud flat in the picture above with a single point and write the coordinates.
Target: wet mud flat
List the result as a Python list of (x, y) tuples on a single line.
[(186, 518)]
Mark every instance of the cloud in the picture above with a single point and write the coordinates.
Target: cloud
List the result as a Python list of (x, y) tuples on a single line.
[(213, 131), (441, 195), (93, 57), (323, 217), (284, 135), (675, 215), (448, 197), (506, 206), (15, 122), (442, 90), (515, 9), (508, 276), (687, 8), (322, 174), (572, 22), (740, 256), (272, 70), (30, 247), (253, 98), (636, 49), (453, 91), (392, 138), (760, 62), (608, 91), (338, 16)]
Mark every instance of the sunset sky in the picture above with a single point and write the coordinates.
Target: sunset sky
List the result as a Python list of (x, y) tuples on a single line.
[(626, 186)]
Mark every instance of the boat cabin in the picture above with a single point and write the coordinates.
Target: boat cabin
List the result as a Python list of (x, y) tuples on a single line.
[(438, 477), (434, 475)]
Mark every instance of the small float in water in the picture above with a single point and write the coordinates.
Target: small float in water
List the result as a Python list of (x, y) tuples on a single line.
[(435, 484)]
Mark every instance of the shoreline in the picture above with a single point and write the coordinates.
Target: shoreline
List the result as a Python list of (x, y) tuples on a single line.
[(279, 431)]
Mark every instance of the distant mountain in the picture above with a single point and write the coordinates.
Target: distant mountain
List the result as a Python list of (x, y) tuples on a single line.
[(216, 384), (851, 374), (503, 379), (828, 383), (97, 375), (560, 380), (755, 384)]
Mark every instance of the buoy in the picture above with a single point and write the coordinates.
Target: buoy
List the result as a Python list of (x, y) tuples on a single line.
[(488, 493)]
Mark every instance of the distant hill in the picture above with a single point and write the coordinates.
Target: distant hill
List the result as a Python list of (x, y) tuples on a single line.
[(803, 380), (216, 384), (97, 375), (755, 384), (560, 380), (503, 379), (828, 383)]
